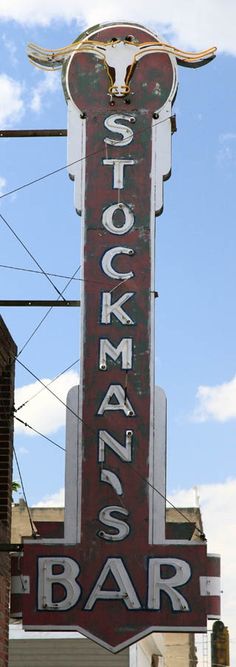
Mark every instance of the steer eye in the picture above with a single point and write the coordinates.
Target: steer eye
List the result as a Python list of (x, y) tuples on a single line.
[(129, 38), (114, 39)]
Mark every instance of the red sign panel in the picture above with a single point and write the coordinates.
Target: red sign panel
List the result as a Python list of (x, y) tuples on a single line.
[(119, 597), (110, 578)]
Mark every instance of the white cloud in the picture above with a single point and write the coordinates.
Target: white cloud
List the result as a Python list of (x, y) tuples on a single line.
[(11, 100), (218, 403), (226, 152), (49, 84), (15, 99), (44, 412), (54, 500), (40, 12), (11, 49), (227, 136), (218, 502), (196, 24), (22, 451), (225, 155), (2, 185)]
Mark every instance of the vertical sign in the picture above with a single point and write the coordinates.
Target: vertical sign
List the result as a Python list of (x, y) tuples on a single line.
[(116, 396), (113, 577)]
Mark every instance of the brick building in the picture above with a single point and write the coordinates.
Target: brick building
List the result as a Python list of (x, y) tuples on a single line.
[(7, 368)]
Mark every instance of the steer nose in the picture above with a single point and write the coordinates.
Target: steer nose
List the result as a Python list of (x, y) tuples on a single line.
[(119, 91)]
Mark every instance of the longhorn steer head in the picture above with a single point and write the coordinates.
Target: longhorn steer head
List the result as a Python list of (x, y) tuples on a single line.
[(119, 57)]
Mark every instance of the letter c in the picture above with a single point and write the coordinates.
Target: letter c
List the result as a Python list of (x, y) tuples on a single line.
[(107, 263)]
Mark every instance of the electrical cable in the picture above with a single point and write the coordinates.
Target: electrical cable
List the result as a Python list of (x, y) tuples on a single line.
[(20, 268), (46, 387), (202, 535), (51, 308), (42, 388), (70, 164), (7, 417), (46, 314), (56, 275), (32, 256), (39, 433)]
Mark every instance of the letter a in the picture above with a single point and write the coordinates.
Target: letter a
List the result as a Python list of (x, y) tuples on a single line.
[(117, 392), (125, 592)]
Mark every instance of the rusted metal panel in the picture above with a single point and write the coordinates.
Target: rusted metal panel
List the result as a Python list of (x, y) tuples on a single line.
[(112, 622), (88, 86)]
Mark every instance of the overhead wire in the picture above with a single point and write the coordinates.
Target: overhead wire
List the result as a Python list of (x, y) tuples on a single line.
[(70, 164), (51, 307), (91, 429), (7, 417), (46, 314), (21, 268), (35, 430), (42, 320), (31, 255), (49, 383), (56, 275), (34, 531)]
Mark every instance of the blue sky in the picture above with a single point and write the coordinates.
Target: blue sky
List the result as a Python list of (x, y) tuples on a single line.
[(195, 251)]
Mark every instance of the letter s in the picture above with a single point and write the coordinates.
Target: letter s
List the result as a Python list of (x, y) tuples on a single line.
[(123, 529)]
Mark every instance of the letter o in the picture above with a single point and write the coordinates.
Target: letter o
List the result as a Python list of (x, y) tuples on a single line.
[(107, 219)]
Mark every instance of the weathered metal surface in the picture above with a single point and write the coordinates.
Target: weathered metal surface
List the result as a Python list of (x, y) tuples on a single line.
[(87, 84), (122, 612)]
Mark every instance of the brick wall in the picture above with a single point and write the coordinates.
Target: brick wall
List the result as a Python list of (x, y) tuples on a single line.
[(7, 356)]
